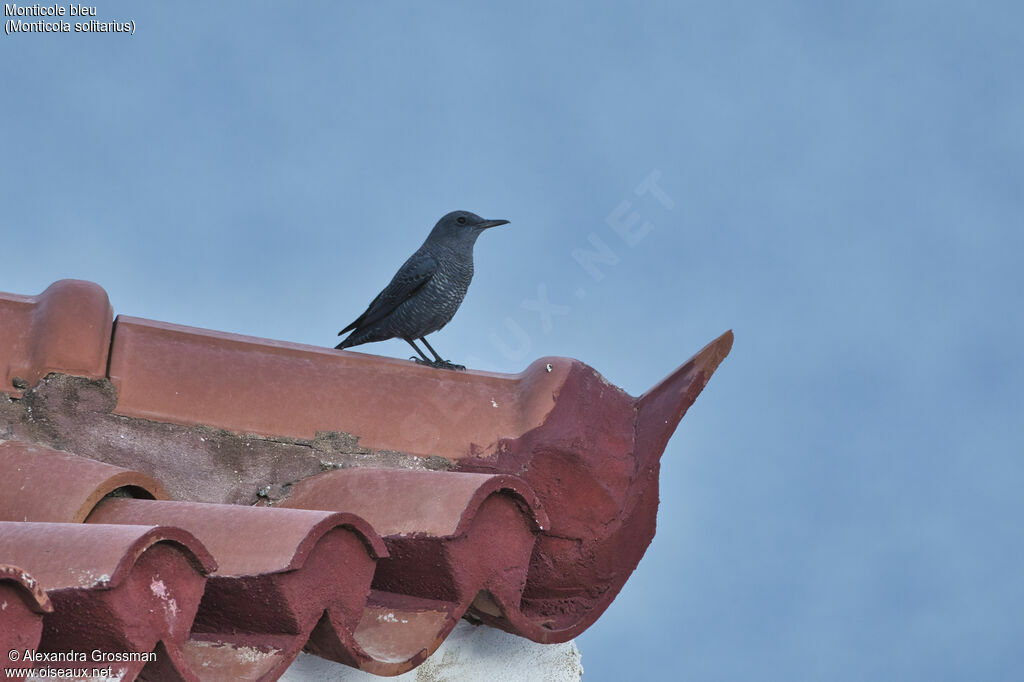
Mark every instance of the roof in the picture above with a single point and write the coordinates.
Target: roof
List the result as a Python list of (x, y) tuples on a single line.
[(227, 501)]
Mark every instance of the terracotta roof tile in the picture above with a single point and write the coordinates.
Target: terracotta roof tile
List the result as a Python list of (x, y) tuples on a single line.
[(277, 577), (142, 583), (184, 375), (64, 329), (252, 540), (417, 503), (22, 605), (393, 499), (453, 538), (41, 484)]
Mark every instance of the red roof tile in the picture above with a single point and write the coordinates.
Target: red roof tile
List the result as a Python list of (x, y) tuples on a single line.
[(544, 502), (142, 583), (41, 484), (22, 605), (452, 538), (64, 329), (184, 375), (277, 577)]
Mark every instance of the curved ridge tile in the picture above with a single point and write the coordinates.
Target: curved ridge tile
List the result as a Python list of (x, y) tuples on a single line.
[(41, 484), (178, 374), (245, 540), (113, 588), (594, 464), (451, 537), (253, 627), (86, 556), (279, 571), (66, 328), (21, 617)]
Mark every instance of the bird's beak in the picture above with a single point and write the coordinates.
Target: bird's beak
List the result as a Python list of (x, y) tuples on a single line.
[(491, 223)]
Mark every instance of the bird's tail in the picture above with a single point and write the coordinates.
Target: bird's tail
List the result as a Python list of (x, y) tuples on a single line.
[(349, 340)]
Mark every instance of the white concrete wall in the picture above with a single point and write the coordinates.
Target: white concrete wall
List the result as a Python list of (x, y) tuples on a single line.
[(470, 653)]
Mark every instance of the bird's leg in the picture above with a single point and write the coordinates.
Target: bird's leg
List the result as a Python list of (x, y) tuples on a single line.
[(431, 349), (425, 360), (443, 364)]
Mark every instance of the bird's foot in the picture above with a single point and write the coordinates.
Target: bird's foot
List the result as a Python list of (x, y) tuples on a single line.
[(438, 364)]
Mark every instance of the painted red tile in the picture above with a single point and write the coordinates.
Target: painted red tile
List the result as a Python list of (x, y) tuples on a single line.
[(450, 538), (594, 465), (113, 588), (279, 572)]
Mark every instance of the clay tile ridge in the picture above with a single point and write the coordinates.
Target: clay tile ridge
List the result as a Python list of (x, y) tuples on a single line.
[(183, 375)]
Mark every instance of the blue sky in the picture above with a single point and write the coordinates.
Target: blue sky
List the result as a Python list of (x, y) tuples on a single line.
[(840, 182)]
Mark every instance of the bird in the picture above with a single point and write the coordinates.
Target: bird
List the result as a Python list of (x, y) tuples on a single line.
[(427, 290)]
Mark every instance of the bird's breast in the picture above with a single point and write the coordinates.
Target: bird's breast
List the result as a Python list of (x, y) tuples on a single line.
[(441, 297)]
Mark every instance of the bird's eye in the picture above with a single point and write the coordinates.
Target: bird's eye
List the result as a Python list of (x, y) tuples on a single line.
[(461, 220)]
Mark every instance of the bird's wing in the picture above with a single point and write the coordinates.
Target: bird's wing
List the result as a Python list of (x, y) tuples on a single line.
[(409, 279)]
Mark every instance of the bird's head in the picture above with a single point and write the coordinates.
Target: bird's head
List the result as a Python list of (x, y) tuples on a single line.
[(462, 225)]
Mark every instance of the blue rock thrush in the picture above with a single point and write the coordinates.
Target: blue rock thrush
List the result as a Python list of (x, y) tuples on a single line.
[(426, 291)]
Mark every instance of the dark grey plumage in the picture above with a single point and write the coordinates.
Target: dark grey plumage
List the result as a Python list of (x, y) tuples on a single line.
[(426, 291)]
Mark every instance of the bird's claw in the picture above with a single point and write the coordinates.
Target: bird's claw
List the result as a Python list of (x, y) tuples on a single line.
[(438, 364)]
